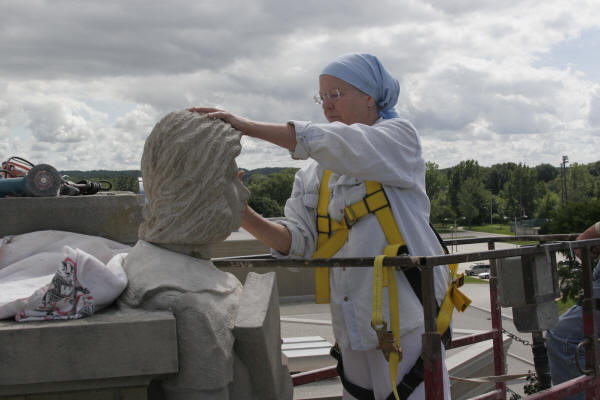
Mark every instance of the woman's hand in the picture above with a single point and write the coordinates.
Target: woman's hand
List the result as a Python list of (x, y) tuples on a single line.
[(283, 135), (590, 233), (239, 123)]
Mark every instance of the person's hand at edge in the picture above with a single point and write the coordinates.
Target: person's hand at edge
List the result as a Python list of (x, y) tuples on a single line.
[(593, 232)]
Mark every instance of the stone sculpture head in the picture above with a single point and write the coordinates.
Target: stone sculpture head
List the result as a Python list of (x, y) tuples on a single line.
[(194, 196)]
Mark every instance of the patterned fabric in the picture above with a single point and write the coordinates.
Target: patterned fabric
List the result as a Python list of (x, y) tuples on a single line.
[(64, 298), (56, 281)]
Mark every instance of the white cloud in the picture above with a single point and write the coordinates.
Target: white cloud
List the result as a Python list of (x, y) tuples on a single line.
[(594, 114), (83, 82), (54, 122)]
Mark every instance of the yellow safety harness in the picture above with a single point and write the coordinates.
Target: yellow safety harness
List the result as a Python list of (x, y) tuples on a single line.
[(331, 237)]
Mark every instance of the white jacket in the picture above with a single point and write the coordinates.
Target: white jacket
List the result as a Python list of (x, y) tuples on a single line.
[(388, 152)]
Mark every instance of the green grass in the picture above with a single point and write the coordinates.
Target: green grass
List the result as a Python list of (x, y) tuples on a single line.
[(470, 279), (502, 230), (443, 229), (495, 228), (562, 307)]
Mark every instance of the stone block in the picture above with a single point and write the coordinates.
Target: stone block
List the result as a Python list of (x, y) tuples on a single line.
[(55, 356), (106, 394), (136, 393), (113, 216), (234, 248), (291, 283), (258, 338), (527, 280), (536, 317), (529, 284)]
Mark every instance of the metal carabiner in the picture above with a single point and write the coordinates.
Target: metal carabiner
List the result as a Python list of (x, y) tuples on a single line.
[(581, 370)]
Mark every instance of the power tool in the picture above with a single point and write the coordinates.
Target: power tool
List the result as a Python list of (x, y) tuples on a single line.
[(41, 180), (83, 187)]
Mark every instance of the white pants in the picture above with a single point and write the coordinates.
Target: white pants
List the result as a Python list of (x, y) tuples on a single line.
[(370, 370)]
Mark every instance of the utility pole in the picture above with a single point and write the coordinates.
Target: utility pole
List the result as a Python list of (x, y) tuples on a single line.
[(563, 179)]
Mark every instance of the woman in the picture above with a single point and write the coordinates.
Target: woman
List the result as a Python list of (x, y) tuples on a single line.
[(364, 140)]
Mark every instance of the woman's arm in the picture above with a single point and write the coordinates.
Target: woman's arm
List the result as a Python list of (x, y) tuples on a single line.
[(272, 234), (388, 151), (283, 135)]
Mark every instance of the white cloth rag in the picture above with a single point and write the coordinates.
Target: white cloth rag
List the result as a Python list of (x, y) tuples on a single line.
[(81, 285)]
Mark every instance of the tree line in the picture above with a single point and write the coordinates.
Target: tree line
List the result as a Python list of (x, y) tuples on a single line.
[(466, 194), (269, 189), (473, 194)]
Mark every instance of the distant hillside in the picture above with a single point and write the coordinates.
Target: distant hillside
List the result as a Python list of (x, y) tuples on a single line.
[(264, 171), (100, 173)]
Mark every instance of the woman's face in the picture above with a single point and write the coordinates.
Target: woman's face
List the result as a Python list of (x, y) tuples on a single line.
[(236, 195), (353, 106)]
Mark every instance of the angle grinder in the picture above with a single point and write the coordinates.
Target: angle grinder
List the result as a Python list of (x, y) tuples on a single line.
[(42, 180)]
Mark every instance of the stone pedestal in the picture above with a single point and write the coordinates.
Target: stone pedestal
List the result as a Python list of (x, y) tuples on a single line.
[(112, 353), (258, 338), (112, 216)]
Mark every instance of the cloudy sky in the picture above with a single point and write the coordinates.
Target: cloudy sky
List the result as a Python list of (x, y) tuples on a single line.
[(82, 83)]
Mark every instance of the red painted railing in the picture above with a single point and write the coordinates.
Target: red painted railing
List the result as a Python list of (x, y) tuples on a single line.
[(590, 382)]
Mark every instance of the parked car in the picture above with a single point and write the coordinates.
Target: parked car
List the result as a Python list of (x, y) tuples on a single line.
[(476, 269), (484, 275)]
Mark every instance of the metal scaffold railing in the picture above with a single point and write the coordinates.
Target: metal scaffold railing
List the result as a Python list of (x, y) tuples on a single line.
[(431, 343)]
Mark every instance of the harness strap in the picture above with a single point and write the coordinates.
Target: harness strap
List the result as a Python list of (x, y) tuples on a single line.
[(331, 234), (409, 383), (331, 237), (454, 298), (386, 277), (323, 228), (356, 391)]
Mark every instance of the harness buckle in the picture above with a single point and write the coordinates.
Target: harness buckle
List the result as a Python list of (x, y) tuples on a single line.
[(349, 219), (386, 342)]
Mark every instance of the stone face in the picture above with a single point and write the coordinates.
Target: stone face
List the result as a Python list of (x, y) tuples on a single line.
[(258, 338), (190, 180), (110, 344)]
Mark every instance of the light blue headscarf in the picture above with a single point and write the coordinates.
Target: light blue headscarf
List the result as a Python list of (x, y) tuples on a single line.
[(366, 73)]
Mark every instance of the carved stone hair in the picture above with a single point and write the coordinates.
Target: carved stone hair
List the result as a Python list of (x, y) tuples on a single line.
[(184, 164)]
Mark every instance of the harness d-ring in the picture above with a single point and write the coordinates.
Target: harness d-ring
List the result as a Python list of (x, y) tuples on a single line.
[(583, 371)]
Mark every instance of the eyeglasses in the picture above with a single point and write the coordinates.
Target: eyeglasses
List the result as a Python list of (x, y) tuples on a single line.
[(331, 96)]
